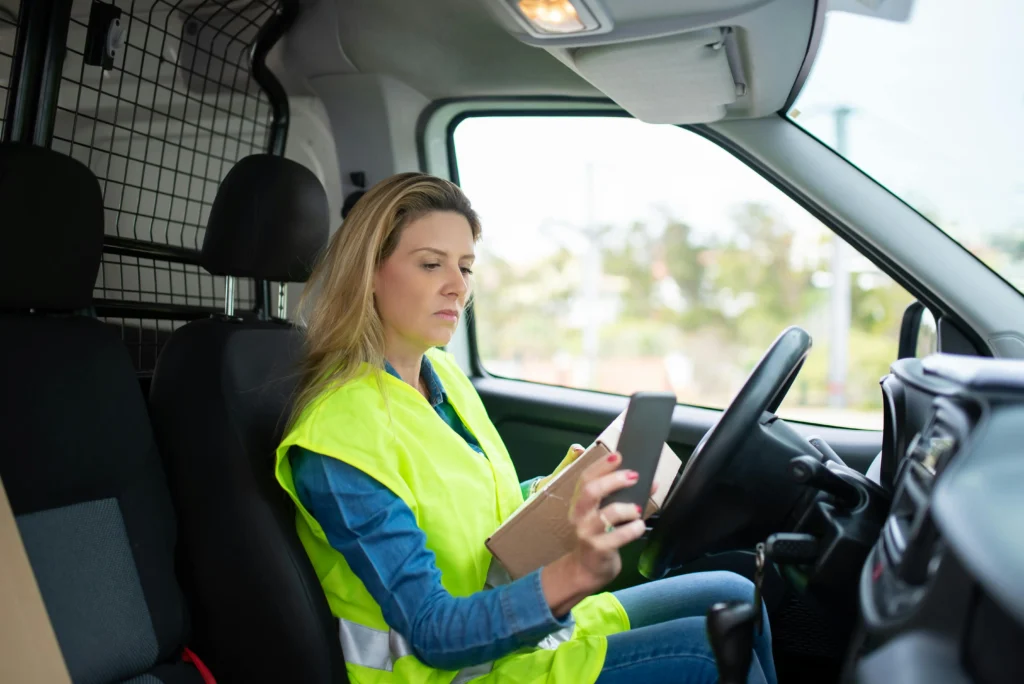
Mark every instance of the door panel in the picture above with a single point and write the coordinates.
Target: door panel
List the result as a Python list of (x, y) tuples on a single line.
[(539, 422)]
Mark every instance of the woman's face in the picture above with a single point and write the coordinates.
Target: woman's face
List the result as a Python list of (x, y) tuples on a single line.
[(421, 289)]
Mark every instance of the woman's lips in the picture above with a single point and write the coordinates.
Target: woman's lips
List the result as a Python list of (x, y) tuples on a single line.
[(449, 315)]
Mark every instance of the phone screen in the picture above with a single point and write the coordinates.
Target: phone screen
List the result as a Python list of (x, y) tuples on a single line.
[(644, 433)]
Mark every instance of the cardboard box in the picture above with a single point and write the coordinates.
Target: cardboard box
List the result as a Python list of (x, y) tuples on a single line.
[(540, 532)]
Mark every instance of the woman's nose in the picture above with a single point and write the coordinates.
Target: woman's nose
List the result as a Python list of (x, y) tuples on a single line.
[(456, 283)]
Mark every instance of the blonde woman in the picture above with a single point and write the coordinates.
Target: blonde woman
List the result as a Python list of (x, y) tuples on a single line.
[(399, 476)]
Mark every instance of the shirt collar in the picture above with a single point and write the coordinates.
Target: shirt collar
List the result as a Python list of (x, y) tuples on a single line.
[(435, 390)]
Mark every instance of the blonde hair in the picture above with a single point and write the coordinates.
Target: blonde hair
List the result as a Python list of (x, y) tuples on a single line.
[(343, 328)]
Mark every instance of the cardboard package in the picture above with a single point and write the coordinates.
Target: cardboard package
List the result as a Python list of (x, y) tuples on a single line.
[(539, 532)]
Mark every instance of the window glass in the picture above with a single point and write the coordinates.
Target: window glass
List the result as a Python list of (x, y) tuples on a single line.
[(925, 106), (620, 256)]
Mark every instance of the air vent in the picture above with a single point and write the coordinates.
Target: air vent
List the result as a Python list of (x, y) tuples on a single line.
[(910, 539)]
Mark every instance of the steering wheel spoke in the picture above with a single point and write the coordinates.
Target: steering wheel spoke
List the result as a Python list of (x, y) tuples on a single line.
[(735, 485)]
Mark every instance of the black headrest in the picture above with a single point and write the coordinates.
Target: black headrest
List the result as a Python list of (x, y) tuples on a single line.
[(51, 241), (270, 220)]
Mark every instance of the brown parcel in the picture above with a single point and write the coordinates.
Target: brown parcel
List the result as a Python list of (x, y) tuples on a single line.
[(539, 532)]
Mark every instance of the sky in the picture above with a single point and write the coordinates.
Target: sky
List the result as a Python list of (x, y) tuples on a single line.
[(939, 106), (938, 118), (528, 178)]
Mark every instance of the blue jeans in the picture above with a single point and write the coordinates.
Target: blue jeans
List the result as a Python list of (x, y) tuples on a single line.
[(667, 642)]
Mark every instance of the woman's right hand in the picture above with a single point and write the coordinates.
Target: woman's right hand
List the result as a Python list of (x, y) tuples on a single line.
[(600, 533)]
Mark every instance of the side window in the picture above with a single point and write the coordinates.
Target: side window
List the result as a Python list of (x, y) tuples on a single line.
[(620, 256)]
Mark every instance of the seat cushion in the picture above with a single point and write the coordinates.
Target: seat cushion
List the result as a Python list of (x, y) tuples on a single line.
[(86, 484)]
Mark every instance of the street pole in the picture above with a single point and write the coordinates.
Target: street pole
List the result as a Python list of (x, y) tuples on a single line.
[(840, 294), (592, 282)]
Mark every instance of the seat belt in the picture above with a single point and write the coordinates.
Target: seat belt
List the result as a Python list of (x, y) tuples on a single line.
[(29, 653)]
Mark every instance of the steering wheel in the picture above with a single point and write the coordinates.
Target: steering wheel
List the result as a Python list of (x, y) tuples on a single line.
[(737, 470)]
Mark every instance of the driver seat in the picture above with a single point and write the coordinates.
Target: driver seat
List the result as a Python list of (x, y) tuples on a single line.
[(220, 396)]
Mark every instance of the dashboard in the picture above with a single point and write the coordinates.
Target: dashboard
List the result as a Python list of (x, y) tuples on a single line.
[(942, 591)]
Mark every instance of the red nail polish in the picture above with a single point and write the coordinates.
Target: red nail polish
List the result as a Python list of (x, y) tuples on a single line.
[(612, 458), (632, 476), (639, 511)]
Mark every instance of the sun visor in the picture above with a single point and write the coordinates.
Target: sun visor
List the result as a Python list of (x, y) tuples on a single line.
[(679, 79)]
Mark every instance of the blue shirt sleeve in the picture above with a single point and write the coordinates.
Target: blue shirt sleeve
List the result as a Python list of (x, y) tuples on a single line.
[(377, 534)]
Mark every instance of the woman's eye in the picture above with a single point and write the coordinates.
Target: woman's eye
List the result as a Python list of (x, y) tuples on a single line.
[(431, 267), (466, 270)]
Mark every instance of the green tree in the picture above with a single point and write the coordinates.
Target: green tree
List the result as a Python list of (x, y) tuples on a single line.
[(521, 310), (738, 292)]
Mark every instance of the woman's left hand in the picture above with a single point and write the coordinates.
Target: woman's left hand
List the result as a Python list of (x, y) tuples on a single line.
[(575, 451)]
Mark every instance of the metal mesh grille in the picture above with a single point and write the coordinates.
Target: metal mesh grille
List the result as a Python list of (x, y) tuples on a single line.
[(144, 338), (8, 39), (161, 129)]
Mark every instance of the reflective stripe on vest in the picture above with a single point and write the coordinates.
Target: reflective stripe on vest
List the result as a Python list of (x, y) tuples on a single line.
[(468, 673), (369, 647), (378, 650), (497, 575), (416, 458)]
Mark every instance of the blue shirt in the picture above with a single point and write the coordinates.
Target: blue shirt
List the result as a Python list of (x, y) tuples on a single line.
[(377, 534)]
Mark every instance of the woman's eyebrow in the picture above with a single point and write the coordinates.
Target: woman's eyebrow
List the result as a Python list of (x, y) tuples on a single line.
[(441, 252), (438, 252)]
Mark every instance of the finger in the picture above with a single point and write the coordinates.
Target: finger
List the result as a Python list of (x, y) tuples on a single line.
[(619, 537), (618, 513), (597, 469), (571, 455), (596, 522), (581, 505), (591, 493), (601, 467)]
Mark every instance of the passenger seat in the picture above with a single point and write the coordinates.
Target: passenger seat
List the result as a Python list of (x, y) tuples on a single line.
[(79, 461), (220, 398)]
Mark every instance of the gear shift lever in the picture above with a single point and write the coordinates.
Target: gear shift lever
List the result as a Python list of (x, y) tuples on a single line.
[(730, 629)]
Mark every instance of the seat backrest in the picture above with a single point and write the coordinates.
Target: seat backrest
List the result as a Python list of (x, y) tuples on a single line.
[(79, 462), (219, 400)]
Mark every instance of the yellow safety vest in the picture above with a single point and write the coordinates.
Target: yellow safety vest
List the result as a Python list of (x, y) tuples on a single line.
[(458, 499)]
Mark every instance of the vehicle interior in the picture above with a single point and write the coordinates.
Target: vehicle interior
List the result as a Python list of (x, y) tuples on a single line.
[(800, 216)]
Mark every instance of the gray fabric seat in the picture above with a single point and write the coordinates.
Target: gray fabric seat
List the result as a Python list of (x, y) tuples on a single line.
[(79, 462)]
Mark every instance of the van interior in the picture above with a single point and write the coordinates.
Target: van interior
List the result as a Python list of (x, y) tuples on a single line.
[(803, 217)]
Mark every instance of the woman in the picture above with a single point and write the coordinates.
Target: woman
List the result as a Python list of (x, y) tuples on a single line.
[(399, 477)]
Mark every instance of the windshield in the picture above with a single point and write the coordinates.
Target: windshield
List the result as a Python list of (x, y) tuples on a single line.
[(931, 107)]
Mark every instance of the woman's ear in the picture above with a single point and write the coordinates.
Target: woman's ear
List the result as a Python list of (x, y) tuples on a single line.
[(375, 283)]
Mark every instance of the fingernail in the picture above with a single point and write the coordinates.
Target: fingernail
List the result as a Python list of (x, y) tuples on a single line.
[(632, 476), (639, 510), (612, 458)]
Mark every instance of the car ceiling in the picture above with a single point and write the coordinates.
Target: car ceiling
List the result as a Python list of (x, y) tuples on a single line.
[(473, 48), (652, 63)]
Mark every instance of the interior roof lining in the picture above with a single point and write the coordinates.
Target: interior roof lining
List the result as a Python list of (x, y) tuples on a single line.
[(460, 48), (813, 45)]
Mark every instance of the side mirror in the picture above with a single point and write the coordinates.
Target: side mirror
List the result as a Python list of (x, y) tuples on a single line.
[(918, 334)]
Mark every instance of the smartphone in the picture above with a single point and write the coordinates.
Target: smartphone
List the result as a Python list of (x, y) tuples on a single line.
[(644, 433)]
